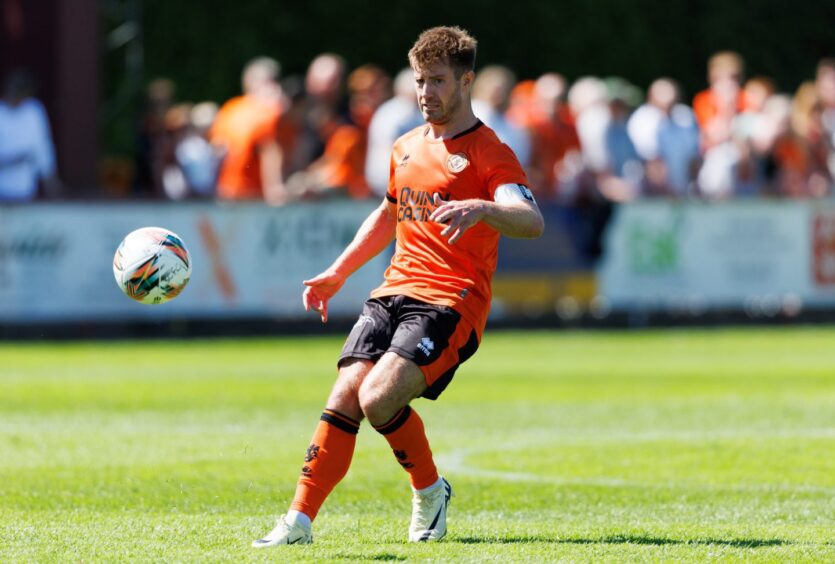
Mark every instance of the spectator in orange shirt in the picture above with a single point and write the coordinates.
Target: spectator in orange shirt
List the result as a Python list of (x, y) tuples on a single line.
[(339, 171), (555, 152), (246, 129), (522, 105), (801, 156), (716, 107), (341, 168)]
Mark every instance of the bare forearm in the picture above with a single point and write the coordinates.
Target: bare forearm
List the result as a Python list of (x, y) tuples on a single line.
[(516, 216), (374, 235), (514, 220)]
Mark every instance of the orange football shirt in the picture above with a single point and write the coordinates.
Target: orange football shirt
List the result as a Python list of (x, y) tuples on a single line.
[(425, 266), (343, 163), (241, 125)]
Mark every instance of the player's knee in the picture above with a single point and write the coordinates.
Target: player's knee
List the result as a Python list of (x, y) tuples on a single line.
[(368, 401), (344, 396), (347, 404), (374, 404)]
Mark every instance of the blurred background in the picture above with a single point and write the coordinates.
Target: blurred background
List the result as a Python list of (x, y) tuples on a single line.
[(682, 153)]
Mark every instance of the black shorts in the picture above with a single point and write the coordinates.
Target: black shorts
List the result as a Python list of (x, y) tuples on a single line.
[(434, 337)]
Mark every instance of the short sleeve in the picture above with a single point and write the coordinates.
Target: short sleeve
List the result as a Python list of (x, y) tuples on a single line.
[(391, 192), (266, 129), (502, 167)]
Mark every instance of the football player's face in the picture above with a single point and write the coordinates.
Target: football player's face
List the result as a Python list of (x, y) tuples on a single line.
[(440, 94)]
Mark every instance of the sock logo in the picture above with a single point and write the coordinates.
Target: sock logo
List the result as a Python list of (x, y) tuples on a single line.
[(312, 453), (401, 457), (426, 346)]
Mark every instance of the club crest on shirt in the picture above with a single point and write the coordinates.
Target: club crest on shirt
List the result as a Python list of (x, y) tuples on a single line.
[(457, 162)]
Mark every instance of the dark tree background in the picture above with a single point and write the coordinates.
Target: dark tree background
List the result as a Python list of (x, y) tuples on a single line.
[(202, 46)]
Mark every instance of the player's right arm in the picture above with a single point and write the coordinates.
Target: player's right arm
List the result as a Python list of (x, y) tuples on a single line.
[(374, 235)]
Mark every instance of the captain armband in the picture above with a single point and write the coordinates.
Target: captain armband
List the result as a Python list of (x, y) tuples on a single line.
[(508, 193)]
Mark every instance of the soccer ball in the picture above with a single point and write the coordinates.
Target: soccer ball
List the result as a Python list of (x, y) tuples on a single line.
[(152, 265)]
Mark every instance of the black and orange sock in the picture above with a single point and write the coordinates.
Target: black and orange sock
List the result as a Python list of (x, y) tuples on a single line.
[(326, 462), (407, 438)]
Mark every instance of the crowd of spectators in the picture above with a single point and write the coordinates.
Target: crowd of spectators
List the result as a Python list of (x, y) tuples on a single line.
[(328, 134)]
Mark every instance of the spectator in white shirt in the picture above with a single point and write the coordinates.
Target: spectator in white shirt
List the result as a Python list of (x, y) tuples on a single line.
[(392, 119), (491, 98), (666, 136), (27, 154)]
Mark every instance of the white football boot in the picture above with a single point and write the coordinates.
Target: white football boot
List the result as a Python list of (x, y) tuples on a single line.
[(285, 533), (429, 513)]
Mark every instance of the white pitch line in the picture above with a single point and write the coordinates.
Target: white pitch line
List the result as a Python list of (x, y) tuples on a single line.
[(456, 463), (569, 437)]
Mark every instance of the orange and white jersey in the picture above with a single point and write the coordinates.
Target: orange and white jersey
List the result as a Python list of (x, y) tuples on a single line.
[(425, 265)]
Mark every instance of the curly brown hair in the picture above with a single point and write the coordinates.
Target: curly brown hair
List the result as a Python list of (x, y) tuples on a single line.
[(444, 44)]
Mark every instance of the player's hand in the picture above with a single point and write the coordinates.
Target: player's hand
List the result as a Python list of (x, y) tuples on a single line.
[(458, 215), (319, 290)]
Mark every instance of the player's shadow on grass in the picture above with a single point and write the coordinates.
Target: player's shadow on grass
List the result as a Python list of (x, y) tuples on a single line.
[(622, 539)]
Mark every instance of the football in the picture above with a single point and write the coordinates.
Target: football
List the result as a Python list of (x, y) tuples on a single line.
[(152, 265)]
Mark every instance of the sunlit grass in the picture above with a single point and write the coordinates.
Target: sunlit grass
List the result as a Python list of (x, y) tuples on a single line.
[(668, 445)]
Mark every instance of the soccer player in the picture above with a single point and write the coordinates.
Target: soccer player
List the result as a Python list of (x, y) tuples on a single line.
[(454, 189)]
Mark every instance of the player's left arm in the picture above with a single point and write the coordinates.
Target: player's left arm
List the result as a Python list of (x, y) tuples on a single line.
[(513, 212)]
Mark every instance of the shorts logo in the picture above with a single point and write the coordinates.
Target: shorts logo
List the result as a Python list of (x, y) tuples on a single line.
[(426, 346), (364, 320), (457, 162)]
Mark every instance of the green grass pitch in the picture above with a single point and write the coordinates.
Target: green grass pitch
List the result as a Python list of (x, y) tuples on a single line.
[(579, 446)]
